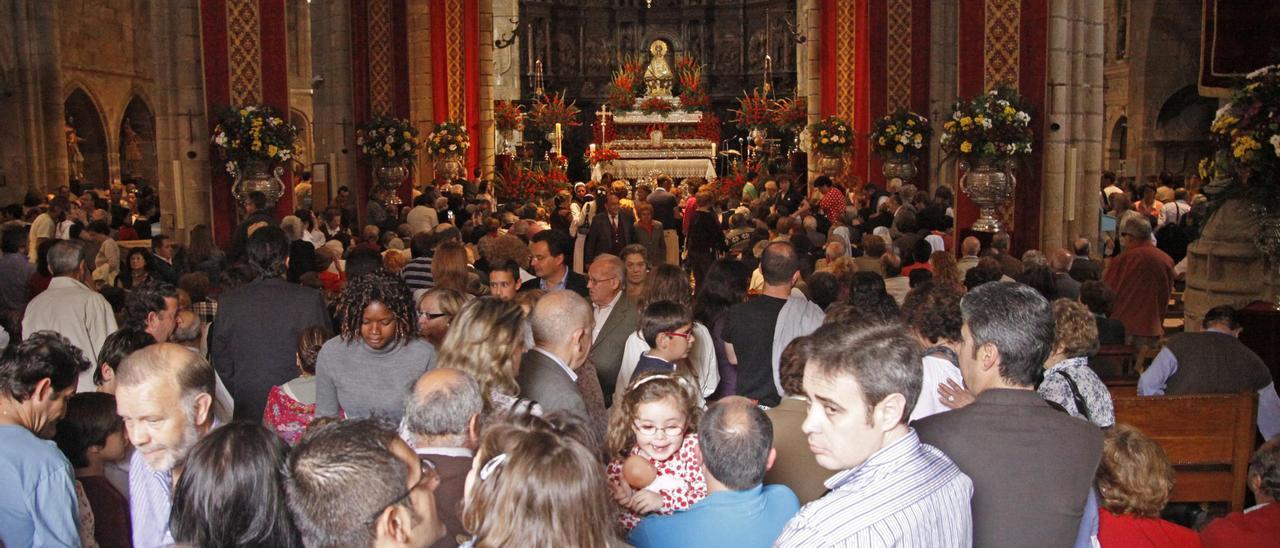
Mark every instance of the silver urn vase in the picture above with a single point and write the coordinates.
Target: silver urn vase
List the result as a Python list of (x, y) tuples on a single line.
[(899, 166), (450, 167), (390, 174), (258, 176), (989, 183), (830, 165)]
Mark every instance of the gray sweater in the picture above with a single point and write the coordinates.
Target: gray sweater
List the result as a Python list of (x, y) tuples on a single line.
[(363, 382)]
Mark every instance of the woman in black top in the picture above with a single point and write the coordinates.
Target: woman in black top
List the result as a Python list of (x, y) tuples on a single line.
[(705, 239)]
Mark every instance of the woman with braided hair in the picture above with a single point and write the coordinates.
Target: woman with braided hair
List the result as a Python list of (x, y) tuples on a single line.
[(369, 368)]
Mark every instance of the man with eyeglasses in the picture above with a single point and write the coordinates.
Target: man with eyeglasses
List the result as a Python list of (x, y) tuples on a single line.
[(616, 317), (355, 483), (1142, 279)]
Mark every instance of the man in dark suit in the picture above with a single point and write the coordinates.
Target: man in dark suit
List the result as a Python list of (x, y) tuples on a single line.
[(561, 323), (443, 416), (255, 211), (163, 267), (1032, 466), (664, 204), (1083, 267), (611, 231), (550, 254), (1009, 265), (615, 318), (254, 340)]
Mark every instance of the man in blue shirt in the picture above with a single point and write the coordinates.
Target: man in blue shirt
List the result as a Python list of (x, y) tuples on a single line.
[(36, 378), (739, 511)]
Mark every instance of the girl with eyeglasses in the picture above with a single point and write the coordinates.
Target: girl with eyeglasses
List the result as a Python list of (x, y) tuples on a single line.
[(656, 420)]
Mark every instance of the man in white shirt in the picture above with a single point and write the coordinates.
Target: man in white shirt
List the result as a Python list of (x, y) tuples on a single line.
[(969, 249), (1173, 212), (69, 307), (45, 225), (422, 217), (894, 282)]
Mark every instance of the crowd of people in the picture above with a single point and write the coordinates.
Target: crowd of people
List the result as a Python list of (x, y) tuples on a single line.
[(788, 364)]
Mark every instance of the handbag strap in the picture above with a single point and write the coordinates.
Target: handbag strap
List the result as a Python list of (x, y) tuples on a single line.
[(1081, 406)]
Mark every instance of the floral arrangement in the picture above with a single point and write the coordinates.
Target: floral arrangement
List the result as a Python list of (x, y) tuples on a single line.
[(708, 128), (902, 132), (253, 133), (449, 139), (386, 138), (831, 136), (508, 116), (754, 110), (626, 83), (525, 183), (992, 125), (791, 114), (656, 105), (601, 155), (689, 77), (1246, 137), (550, 110)]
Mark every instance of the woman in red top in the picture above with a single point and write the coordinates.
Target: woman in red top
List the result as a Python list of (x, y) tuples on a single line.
[(292, 405), (1134, 481)]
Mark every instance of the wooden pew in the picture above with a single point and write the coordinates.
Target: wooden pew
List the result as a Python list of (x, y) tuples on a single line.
[(1113, 362), (1208, 438)]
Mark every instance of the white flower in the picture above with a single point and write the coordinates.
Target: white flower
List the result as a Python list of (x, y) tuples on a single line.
[(389, 140), (986, 123), (1275, 142), (1022, 117), (453, 147), (1002, 103)]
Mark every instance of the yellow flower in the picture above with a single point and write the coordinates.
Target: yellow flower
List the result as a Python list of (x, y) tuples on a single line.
[(825, 140), (966, 147), (244, 112), (948, 125), (978, 119), (919, 138), (823, 132), (1009, 111), (882, 141), (272, 150), (966, 121), (891, 130), (911, 122), (408, 135), (1221, 124), (897, 148), (1244, 145)]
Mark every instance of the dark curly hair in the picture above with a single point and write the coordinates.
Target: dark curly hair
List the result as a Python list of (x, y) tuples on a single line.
[(933, 310), (379, 287)]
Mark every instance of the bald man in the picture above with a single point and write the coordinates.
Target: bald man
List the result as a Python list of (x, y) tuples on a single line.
[(1084, 267), (1065, 286), (164, 393), (561, 323), (616, 317), (737, 440), (969, 249)]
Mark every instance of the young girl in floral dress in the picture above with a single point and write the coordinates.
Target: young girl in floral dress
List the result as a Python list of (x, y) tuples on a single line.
[(656, 420), (292, 405)]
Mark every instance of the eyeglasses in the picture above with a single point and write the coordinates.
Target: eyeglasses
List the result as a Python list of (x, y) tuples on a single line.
[(600, 280), (427, 468), (652, 430), (686, 336), (432, 315)]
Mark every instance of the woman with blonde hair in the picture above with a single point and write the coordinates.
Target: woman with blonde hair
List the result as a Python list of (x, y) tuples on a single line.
[(532, 485), (487, 340), (436, 310), (1068, 381), (1134, 481), (945, 269)]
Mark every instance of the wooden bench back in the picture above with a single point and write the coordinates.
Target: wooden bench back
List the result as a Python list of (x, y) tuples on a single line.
[(1208, 438)]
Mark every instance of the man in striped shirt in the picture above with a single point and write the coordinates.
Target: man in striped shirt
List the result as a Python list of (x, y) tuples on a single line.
[(417, 272), (891, 490)]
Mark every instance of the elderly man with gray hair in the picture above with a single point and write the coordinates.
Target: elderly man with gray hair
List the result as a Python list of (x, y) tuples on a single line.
[(442, 418), (70, 308), (1142, 279), (164, 393)]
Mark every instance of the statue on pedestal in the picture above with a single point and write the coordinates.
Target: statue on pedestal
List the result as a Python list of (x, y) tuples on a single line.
[(75, 160), (658, 77)]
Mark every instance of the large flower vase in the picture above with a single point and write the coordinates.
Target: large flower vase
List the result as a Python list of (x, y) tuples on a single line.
[(830, 164), (899, 166), (988, 183), (390, 174), (258, 176), (450, 167), (1229, 263)]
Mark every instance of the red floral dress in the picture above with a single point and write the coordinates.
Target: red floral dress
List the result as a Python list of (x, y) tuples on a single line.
[(684, 465), (287, 416)]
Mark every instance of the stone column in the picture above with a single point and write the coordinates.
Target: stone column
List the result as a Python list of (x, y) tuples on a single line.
[(486, 140), (33, 153), (808, 64), (420, 91), (181, 121), (942, 85), (334, 131)]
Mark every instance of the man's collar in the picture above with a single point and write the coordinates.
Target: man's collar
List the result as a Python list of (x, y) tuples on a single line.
[(612, 302), (444, 452)]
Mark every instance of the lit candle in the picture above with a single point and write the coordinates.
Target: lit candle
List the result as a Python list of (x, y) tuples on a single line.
[(593, 148), (713, 150)]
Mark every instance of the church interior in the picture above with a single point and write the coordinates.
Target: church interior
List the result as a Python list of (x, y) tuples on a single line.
[(175, 112)]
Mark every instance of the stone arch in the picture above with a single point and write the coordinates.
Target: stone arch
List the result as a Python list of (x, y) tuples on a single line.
[(1180, 125), (138, 142), (84, 116), (1118, 145)]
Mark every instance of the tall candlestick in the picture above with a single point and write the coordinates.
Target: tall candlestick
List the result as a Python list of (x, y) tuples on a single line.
[(179, 209), (713, 151)]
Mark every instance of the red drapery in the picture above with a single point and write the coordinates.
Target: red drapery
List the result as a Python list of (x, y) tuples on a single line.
[(845, 52), (455, 68)]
